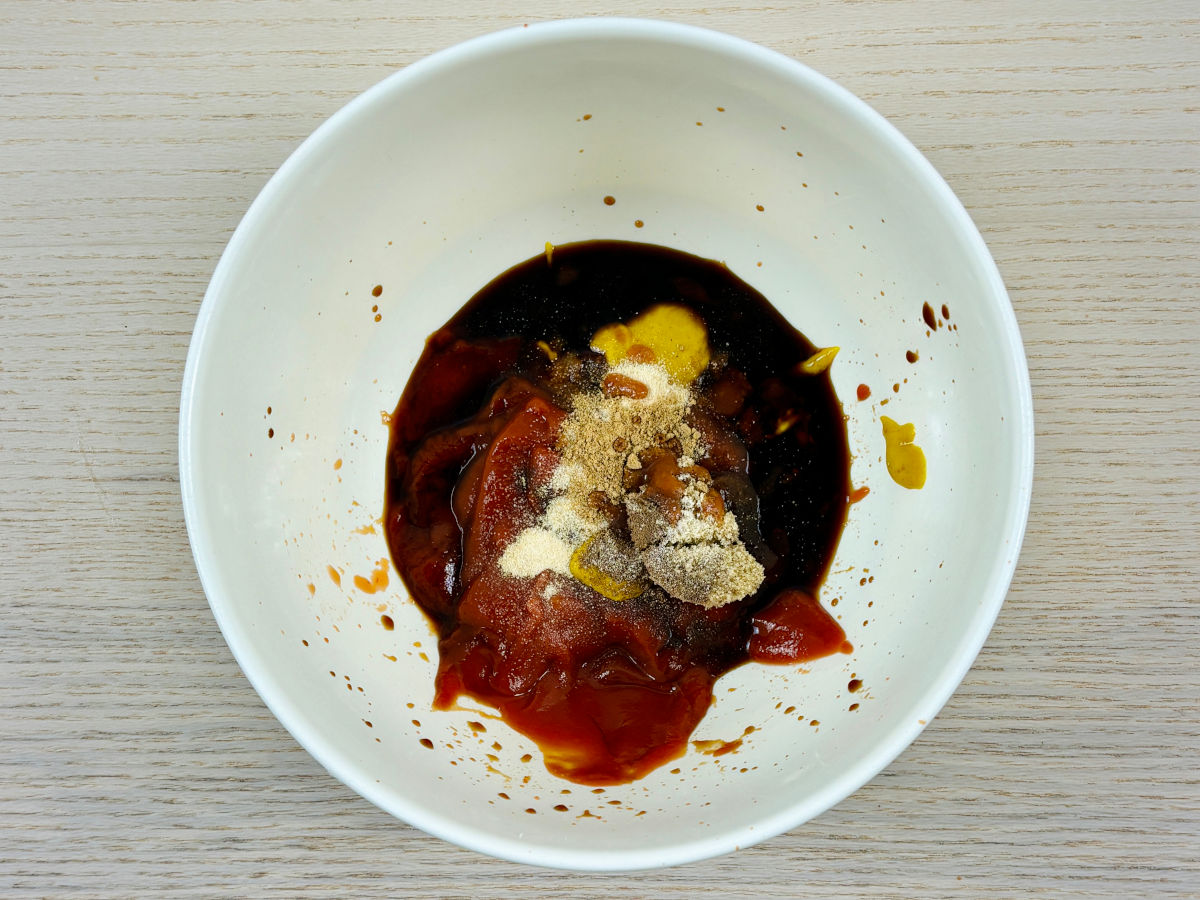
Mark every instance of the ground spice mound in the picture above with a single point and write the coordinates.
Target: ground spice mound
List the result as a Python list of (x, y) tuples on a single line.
[(695, 556), (604, 434)]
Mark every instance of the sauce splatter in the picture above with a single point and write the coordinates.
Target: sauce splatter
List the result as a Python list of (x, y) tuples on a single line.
[(378, 580), (377, 290), (610, 200), (930, 318), (334, 575), (905, 460), (720, 748), (388, 624), (863, 392), (911, 356), (858, 494)]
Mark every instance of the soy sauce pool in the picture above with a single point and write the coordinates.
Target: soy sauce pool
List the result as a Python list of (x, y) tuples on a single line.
[(608, 690)]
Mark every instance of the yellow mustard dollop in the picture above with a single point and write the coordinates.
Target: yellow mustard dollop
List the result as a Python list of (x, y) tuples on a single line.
[(672, 336), (905, 460)]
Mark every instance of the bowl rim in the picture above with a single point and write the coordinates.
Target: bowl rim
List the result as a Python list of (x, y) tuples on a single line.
[(896, 740)]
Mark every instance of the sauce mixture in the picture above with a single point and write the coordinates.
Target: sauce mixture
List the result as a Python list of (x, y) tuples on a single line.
[(609, 671)]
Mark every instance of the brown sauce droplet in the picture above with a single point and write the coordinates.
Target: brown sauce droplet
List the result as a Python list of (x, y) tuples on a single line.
[(911, 356), (863, 392), (858, 494), (387, 622), (559, 807), (638, 223), (945, 311), (759, 207), (334, 575), (610, 200), (854, 685), (929, 317), (270, 432), (426, 743), (377, 290)]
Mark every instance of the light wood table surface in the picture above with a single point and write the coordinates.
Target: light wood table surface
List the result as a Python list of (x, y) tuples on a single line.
[(136, 760)]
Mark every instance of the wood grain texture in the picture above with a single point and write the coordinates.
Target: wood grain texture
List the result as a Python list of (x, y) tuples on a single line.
[(136, 760)]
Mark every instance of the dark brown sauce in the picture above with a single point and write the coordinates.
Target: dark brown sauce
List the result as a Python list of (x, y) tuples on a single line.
[(609, 690), (928, 315)]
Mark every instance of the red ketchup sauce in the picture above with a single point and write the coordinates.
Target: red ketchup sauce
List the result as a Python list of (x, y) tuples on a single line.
[(609, 690)]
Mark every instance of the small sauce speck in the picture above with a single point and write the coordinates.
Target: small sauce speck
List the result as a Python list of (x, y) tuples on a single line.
[(337, 464), (377, 290), (387, 622), (858, 494), (270, 432), (610, 200), (426, 743), (929, 317), (854, 685), (638, 223), (911, 356), (945, 311), (863, 392), (334, 575)]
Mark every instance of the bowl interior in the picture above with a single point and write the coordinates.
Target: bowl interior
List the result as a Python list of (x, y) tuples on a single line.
[(432, 184)]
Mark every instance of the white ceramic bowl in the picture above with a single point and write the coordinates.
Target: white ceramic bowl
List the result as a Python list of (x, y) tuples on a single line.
[(431, 184)]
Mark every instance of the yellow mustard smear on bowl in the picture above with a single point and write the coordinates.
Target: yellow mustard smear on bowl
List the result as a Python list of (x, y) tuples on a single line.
[(905, 460)]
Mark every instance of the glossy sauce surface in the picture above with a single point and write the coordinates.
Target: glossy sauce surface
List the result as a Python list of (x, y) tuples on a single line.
[(609, 690)]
